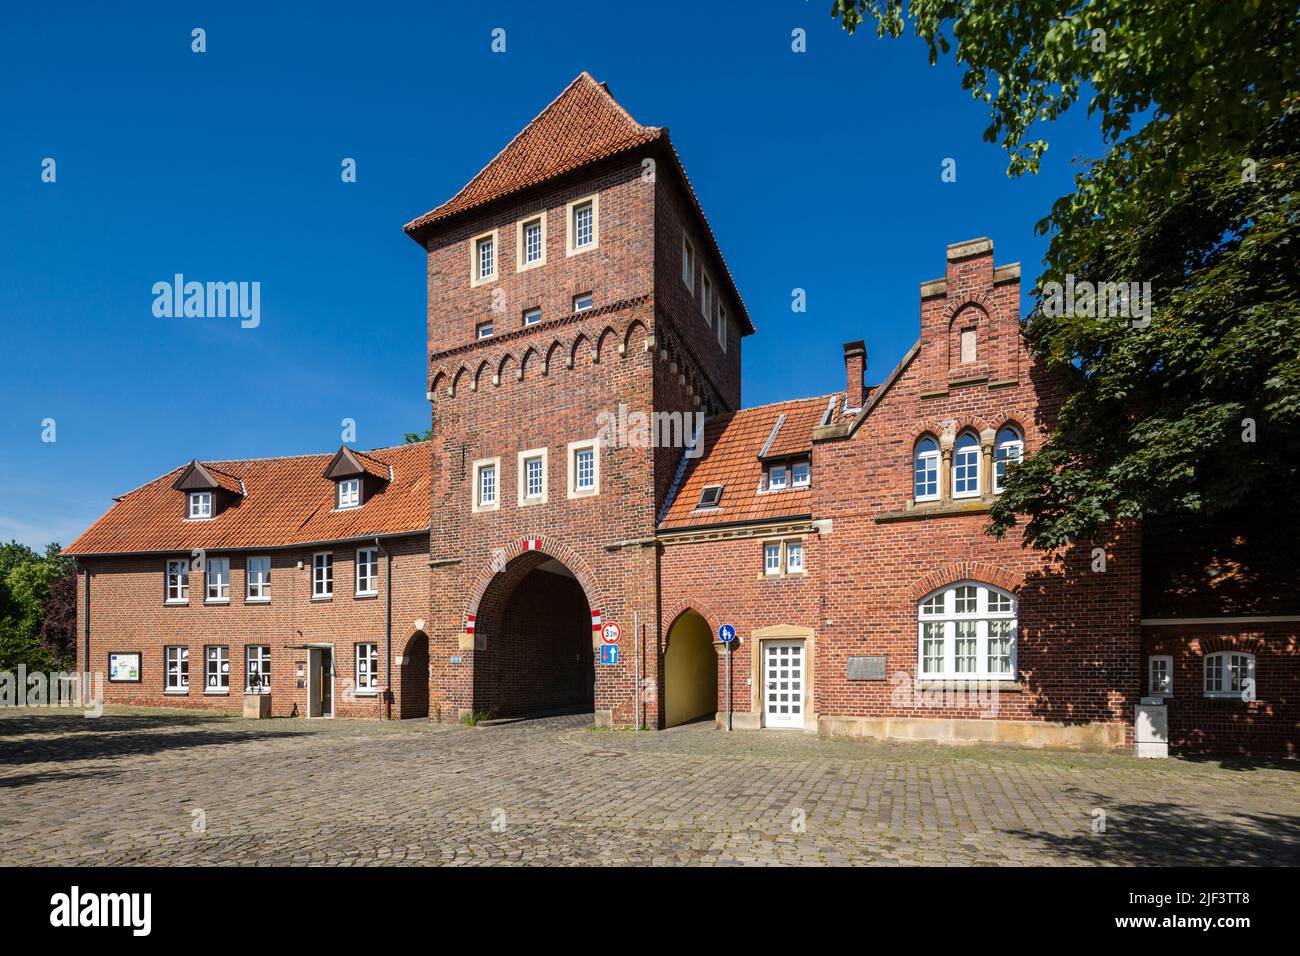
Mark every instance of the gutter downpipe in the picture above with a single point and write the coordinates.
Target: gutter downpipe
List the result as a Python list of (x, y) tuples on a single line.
[(388, 629)]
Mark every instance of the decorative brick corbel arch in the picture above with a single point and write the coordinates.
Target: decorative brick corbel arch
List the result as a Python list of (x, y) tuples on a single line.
[(978, 299), (545, 547), (966, 571)]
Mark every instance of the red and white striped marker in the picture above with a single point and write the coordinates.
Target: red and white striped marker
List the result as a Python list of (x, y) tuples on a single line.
[(595, 622), (531, 544), (469, 623)]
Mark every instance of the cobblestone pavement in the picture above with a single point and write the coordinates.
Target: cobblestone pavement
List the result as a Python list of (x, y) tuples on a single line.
[(133, 786)]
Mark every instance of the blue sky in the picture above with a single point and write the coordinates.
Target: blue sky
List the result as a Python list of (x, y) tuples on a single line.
[(818, 170)]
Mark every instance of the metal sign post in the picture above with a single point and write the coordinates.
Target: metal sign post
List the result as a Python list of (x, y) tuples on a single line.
[(727, 634)]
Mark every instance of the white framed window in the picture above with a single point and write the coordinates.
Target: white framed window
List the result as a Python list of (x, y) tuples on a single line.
[(483, 258), (966, 467), (772, 557), (583, 302), (1009, 450), (583, 229), (367, 571), (706, 298), (794, 557), (777, 477), (584, 468), (1160, 675), (688, 265), (257, 669), (322, 575), (925, 481), (722, 326), (349, 495), (217, 573), (487, 478), (200, 505), (368, 669), (177, 668), (178, 581), (1230, 674), (530, 241), (967, 631), (257, 579), (532, 476), (532, 316), (801, 474), (216, 669), (483, 330)]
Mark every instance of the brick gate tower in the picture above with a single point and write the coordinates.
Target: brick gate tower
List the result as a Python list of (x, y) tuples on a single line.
[(581, 320)]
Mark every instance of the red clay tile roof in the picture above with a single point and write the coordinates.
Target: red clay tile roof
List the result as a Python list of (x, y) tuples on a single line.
[(732, 444), (287, 502), (583, 125)]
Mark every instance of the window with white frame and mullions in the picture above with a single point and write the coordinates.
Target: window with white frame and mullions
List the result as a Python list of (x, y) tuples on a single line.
[(257, 669), (967, 632)]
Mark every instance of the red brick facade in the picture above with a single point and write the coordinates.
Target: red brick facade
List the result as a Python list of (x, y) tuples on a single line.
[(536, 542)]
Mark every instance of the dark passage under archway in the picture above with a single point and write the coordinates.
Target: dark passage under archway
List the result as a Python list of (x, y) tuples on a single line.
[(415, 677), (535, 624)]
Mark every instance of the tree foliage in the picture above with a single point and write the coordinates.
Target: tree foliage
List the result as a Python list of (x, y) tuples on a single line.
[(34, 591), (1196, 411)]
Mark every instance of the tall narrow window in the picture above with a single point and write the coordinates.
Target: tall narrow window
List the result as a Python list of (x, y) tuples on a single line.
[(1160, 674), (322, 575), (722, 327), (926, 470), (1010, 451), (218, 578), (368, 669), (178, 582), (688, 265), (706, 299), (966, 467), (585, 468), (367, 571), (794, 557), (258, 575), (486, 258), (967, 346), (487, 485), (772, 558), (532, 241), (583, 225), (257, 669), (177, 660), (216, 670), (533, 478)]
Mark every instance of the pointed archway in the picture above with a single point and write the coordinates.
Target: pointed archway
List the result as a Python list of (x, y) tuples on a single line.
[(414, 700)]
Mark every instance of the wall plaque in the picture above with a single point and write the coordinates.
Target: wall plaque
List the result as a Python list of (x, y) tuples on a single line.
[(866, 668)]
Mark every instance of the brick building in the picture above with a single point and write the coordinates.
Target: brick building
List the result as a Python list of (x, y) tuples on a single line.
[(589, 464)]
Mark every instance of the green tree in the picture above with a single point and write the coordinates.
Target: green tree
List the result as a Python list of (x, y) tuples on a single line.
[(1196, 411), (26, 580), (410, 438)]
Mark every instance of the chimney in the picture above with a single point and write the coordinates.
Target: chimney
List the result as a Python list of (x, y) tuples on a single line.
[(855, 370)]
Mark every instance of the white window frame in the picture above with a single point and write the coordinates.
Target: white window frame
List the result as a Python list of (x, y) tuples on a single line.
[(689, 265), (534, 310), (1220, 660), (795, 480), (522, 487), (178, 569), (261, 655), (957, 453), (477, 504), (476, 276), (257, 590), (592, 445), (216, 578), (371, 578), (1015, 454), (931, 459), (591, 302), (348, 494), (322, 576), (948, 618), (176, 669), (571, 248), (1168, 661), (368, 654), (200, 506), (221, 671), (773, 559), (522, 264), (772, 472), (792, 548), (483, 330)]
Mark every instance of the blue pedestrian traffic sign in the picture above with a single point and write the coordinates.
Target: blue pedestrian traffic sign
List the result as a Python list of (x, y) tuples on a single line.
[(727, 633), (609, 653)]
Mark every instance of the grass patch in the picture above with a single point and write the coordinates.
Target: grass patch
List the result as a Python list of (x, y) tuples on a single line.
[(475, 717)]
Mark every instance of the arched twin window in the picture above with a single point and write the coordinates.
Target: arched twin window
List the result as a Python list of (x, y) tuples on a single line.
[(1009, 449), (967, 631)]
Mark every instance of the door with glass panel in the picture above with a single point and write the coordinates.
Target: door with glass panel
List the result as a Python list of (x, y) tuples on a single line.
[(783, 683)]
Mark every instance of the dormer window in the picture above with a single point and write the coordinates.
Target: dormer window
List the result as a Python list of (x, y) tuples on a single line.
[(200, 505), (350, 493), (777, 477), (800, 474)]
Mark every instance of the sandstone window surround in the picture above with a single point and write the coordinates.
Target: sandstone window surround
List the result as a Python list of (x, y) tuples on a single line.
[(483, 264), (582, 225)]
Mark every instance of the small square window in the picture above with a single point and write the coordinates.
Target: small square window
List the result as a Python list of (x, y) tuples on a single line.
[(483, 330), (581, 303), (200, 505), (800, 474), (532, 316), (710, 496), (776, 477)]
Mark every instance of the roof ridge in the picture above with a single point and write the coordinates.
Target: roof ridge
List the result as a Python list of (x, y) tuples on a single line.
[(786, 401)]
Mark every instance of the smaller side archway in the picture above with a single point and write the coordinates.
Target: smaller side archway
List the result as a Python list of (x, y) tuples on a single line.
[(414, 685), (690, 668)]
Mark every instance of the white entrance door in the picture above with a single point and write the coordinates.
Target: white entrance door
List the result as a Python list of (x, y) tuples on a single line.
[(783, 673)]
